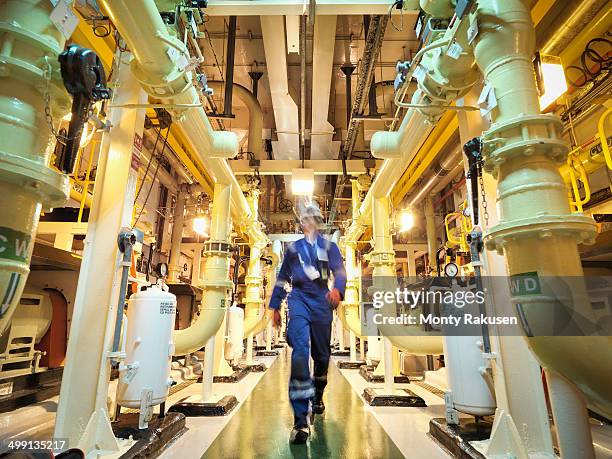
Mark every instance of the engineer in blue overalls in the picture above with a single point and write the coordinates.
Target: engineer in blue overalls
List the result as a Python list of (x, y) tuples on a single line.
[(308, 265)]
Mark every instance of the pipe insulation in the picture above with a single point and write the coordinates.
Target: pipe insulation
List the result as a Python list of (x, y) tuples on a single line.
[(442, 168)]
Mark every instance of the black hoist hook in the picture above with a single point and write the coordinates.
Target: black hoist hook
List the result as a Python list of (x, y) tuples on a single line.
[(473, 151), (84, 78)]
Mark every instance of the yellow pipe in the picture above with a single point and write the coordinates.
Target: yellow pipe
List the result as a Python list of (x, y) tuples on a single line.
[(78, 195), (440, 135), (522, 149), (157, 65), (253, 323), (348, 310), (215, 281), (432, 240), (596, 28), (384, 279), (29, 48)]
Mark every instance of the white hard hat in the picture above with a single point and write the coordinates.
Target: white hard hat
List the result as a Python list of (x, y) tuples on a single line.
[(309, 209)]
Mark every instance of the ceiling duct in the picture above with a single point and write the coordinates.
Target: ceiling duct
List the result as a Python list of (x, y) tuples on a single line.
[(285, 109)]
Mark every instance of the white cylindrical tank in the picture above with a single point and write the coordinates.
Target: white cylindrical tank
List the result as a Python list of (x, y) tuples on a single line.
[(235, 326), (149, 347), (466, 380), (472, 392)]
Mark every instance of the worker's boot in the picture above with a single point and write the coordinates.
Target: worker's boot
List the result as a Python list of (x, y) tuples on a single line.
[(299, 435), (317, 403)]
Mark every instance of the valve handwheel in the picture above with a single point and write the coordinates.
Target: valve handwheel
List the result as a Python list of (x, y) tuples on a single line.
[(285, 205)]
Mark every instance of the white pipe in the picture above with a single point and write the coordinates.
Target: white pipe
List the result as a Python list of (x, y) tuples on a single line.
[(207, 370), (159, 65), (569, 406), (162, 77), (406, 142), (255, 117)]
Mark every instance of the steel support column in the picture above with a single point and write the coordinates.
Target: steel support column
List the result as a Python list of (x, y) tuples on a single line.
[(82, 415)]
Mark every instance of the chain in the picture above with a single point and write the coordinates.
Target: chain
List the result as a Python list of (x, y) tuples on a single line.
[(47, 70), (485, 212)]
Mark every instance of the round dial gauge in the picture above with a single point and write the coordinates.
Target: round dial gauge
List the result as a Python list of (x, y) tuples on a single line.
[(451, 269)]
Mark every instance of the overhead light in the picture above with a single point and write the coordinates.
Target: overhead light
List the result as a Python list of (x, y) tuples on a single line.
[(405, 220), (201, 225), (550, 77), (302, 182)]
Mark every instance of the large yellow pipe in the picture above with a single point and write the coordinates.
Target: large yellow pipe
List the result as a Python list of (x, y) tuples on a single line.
[(159, 67), (253, 323), (255, 137), (29, 48), (215, 282), (537, 232), (384, 278), (348, 310)]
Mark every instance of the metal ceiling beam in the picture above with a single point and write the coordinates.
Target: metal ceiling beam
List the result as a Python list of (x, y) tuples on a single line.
[(296, 7), (284, 167)]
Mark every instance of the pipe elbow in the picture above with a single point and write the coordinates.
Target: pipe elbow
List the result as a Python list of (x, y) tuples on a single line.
[(438, 8), (385, 145), (191, 339), (224, 144)]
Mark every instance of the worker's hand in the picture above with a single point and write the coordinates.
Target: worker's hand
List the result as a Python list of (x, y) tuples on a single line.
[(333, 297), (277, 318)]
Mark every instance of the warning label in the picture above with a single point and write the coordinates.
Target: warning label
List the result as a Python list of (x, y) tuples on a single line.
[(167, 307)]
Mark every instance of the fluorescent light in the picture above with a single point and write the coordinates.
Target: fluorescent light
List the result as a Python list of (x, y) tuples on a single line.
[(551, 78), (405, 220), (200, 226), (302, 182)]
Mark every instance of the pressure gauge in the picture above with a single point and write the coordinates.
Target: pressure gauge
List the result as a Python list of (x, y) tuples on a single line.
[(162, 269), (451, 269)]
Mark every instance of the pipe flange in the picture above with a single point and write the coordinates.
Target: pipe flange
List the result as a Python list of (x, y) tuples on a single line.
[(224, 284), (18, 69), (163, 86), (524, 135), (217, 248), (50, 186), (42, 42), (382, 258), (577, 226)]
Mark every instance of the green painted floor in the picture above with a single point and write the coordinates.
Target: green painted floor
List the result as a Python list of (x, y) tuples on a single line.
[(261, 426)]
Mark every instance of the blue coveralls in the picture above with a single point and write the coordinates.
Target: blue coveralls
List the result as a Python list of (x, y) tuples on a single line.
[(310, 316)]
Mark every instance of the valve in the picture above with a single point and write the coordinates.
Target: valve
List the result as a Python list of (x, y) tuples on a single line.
[(84, 78), (473, 151)]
